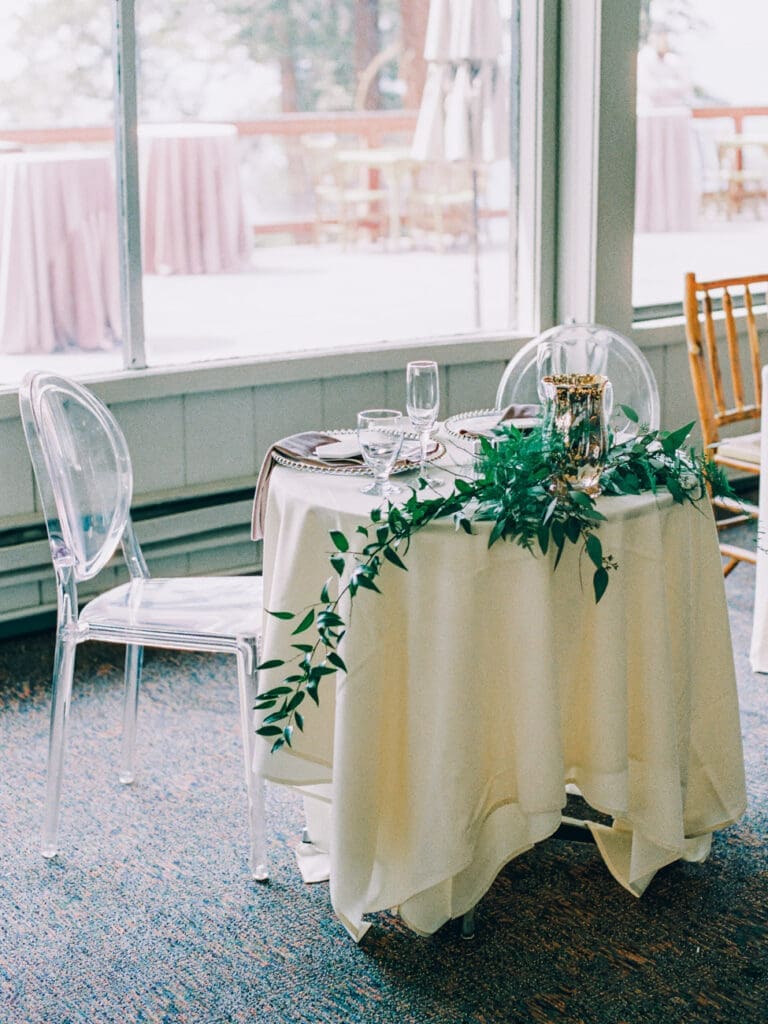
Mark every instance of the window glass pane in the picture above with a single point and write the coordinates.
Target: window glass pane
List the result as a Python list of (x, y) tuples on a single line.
[(285, 206), (59, 301), (702, 145)]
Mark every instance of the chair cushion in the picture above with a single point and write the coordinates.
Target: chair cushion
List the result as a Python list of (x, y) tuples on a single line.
[(206, 606), (745, 448)]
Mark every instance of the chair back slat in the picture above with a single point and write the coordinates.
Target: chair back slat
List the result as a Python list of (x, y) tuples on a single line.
[(754, 347), (733, 351), (710, 334)]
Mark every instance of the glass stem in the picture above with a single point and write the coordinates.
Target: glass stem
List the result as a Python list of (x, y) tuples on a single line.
[(424, 441)]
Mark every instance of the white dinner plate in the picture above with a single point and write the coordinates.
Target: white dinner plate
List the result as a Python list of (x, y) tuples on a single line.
[(465, 428)]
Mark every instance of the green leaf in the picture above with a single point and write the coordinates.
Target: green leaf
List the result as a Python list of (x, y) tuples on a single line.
[(363, 530), (305, 623), (276, 691), (299, 720), (277, 745), (269, 730), (338, 564), (543, 535), (677, 438), (282, 615), (367, 583), (304, 648), (324, 595), (630, 413), (391, 556), (595, 550), (287, 733), (600, 582), (339, 540), (272, 663), (336, 659), (572, 530), (496, 532), (296, 700)]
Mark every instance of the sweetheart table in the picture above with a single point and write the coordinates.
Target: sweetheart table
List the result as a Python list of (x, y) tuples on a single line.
[(480, 683)]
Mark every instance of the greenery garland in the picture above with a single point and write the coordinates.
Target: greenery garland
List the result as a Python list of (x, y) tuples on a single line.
[(517, 486)]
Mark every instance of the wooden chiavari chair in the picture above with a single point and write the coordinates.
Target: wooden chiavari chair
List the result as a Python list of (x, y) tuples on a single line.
[(725, 392)]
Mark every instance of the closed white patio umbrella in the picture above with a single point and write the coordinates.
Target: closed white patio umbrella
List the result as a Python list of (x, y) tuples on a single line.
[(463, 112)]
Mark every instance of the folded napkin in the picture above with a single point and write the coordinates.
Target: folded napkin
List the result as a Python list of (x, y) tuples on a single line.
[(299, 447), (512, 412)]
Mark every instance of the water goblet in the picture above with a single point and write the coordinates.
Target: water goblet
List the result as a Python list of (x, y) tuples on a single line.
[(423, 403), (380, 433)]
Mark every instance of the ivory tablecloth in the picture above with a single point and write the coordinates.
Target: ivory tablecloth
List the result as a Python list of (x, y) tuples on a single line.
[(759, 648), (193, 221), (59, 285), (481, 682)]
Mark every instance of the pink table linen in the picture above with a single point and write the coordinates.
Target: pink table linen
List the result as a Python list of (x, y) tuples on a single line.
[(59, 285), (193, 221), (665, 182)]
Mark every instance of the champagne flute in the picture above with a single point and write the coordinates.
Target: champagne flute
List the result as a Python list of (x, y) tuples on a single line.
[(423, 402), (380, 433)]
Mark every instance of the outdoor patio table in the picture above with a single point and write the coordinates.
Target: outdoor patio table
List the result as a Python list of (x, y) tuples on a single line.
[(480, 682), (193, 220), (59, 284), (666, 189), (393, 165)]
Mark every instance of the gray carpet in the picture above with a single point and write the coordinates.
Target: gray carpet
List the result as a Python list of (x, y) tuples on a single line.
[(149, 915)]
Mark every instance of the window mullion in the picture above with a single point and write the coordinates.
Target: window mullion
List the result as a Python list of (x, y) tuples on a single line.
[(127, 175)]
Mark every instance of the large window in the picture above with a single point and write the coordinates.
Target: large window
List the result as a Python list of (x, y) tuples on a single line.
[(311, 176), (702, 145)]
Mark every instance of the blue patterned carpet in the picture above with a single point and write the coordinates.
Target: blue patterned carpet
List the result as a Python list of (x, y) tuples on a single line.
[(149, 914)]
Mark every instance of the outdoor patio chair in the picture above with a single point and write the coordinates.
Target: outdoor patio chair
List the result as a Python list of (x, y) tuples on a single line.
[(83, 471), (716, 314)]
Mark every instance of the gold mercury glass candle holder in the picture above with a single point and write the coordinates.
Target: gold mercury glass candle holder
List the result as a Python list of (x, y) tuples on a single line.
[(577, 410)]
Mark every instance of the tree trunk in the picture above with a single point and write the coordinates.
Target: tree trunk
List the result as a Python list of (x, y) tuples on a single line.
[(367, 44), (413, 68)]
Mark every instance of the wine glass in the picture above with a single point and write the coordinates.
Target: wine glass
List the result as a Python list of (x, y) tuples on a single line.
[(423, 402), (380, 433)]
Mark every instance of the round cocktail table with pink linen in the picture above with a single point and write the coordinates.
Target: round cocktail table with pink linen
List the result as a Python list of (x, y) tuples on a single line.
[(192, 208), (59, 285)]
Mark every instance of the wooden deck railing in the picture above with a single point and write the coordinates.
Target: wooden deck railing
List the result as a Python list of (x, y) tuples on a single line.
[(371, 128)]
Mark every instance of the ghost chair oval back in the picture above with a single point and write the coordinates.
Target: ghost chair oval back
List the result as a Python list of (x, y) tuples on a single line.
[(716, 313), (84, 476)]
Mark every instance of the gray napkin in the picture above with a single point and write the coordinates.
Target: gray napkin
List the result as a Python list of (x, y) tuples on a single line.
[(300, 448), (512, 412)]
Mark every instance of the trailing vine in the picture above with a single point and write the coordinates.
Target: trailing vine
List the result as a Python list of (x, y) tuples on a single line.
[(516, 487)]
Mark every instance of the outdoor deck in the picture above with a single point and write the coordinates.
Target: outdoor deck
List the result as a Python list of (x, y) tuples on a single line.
[(296, 298)]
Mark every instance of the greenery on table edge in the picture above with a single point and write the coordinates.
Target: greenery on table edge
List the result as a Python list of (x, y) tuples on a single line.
[(518, 487)]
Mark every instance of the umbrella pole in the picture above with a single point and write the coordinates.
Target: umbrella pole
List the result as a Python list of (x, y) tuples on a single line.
[(476, 248)]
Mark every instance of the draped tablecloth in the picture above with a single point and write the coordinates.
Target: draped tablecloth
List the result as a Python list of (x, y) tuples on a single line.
[(666, 188), (759, 647), (193, 221), (480, 682), (59, 285)]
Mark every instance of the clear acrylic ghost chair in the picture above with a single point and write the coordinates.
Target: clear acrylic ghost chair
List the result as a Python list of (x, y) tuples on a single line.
[(586, 348), (84, 476)]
